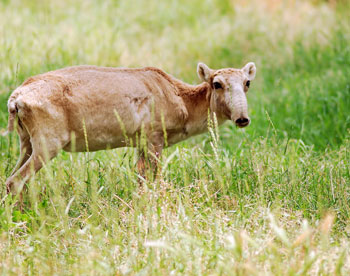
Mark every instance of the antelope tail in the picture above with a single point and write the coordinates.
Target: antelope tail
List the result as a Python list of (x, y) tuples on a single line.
[(12, 116)]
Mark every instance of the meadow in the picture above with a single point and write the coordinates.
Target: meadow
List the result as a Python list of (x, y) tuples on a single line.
[(270, 199)]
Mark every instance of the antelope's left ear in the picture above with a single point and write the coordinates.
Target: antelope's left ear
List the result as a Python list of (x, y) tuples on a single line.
[(250, 70), (204, 72)]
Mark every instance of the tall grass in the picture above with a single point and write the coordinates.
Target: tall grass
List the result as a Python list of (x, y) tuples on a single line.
[(270, 199)]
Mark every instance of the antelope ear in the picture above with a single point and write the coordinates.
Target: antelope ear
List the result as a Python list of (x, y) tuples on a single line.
[(203, 72), (250, 70)]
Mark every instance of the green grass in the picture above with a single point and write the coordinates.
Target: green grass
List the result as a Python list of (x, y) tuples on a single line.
[(272, 199)]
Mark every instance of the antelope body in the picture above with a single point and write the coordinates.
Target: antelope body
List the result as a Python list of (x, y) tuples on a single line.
[(93, 108)]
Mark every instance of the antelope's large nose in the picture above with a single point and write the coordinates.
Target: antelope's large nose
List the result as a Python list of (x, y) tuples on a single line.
[(242, 122)]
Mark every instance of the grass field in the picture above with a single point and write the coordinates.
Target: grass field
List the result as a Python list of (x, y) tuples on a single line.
[(272, 199)]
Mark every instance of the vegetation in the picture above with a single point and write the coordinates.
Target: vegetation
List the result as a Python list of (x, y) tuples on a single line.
[(272, 199)]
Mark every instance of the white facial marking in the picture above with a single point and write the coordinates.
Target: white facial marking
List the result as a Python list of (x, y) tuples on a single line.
[(237, 100)]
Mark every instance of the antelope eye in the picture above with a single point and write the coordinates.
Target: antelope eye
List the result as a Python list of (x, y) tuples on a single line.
[(217, 85), (247, 83)]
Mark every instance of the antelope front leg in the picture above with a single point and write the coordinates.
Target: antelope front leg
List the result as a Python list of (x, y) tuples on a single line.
[(155, 148), (154, 157), (148, 166), (149, 162), (141, 165)]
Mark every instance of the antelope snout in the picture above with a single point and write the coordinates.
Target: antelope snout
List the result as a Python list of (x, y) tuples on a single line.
[(242, 122)]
